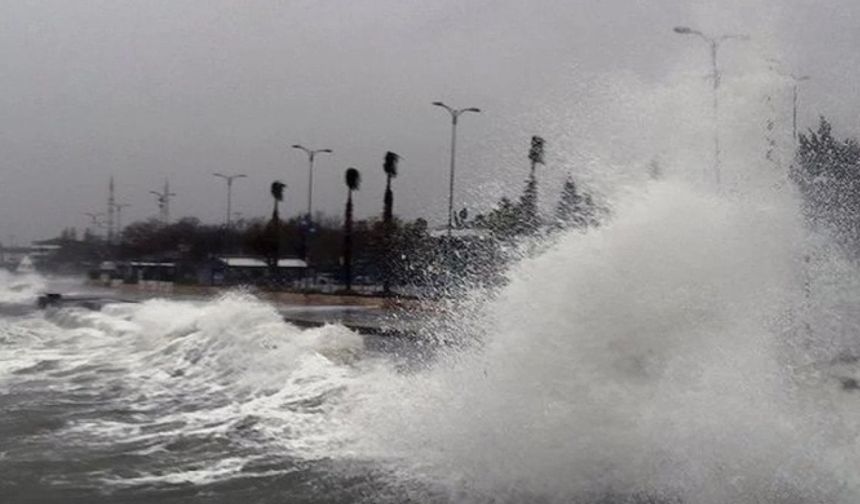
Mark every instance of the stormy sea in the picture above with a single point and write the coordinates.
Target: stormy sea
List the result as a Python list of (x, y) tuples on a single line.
[(697, 348)]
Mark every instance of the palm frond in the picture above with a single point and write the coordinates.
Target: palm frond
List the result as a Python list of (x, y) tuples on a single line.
[(353, 179), (278, 190), (390, 165)]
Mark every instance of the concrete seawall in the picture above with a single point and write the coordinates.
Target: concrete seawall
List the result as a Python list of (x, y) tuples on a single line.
[(171, 290), (372, 315)]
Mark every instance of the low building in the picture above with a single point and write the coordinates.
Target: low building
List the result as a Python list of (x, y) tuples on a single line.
[(232, 270), (134, 271)]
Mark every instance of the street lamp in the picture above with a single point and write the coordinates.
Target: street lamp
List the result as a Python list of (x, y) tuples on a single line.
[(714, 44), (163, 199), (94, 219), (455, 114), (795, 83), (311, 155), (229, 179)]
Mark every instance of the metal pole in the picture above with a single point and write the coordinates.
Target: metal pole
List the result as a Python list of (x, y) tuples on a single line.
[(716, 77), (118, 207), (229, 179), (110, 211), (229, 199), (795, 85), (714, 43), (454, 116), (310, 186), (347, 243), (311, 155), (794, 113)]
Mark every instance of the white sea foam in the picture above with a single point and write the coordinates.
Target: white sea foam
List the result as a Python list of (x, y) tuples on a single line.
[(230, 368), (686, 349), (20, 288)]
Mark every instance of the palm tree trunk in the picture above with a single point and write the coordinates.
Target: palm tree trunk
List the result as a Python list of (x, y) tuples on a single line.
[(347, 243), (276, 242), (387, 224)]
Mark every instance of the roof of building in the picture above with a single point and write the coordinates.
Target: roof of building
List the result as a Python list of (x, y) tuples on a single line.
[(292, 263), (146, 264), (255, 262)]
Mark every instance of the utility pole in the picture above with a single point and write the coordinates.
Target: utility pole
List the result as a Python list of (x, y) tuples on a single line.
[(455, 115), (716, 76)]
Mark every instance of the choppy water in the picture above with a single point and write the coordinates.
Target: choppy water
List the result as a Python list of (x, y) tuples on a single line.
[(684, 352)]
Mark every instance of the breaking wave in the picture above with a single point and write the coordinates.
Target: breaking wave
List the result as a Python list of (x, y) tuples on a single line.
[(687, 351)]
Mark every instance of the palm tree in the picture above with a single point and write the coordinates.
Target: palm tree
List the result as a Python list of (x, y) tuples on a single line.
[(390, 167), (528, 202), (353, 181), (277, 190)]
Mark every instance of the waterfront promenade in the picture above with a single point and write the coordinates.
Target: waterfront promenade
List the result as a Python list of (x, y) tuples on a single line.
[(366, 314)]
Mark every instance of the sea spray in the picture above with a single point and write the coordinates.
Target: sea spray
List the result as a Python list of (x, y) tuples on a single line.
[(643, 358), (652, 359), (20, 288)]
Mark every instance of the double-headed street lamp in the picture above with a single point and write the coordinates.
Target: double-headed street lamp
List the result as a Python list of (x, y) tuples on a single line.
[(775, 65), (455, 114), (311, 155), (163, 199), (714, 44), (95, 220), (229, 179)]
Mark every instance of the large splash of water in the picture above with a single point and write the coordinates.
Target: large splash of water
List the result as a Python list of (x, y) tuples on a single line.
[(19, 288), (662, 355), (687, 350)]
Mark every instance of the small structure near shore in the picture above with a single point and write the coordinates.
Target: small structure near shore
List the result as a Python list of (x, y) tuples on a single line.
[(248, 270)]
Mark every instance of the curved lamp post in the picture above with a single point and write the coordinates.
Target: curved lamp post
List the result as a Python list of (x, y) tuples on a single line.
[(455, 114), (776, 66), (229, 179), (311, 156), (714, 44)]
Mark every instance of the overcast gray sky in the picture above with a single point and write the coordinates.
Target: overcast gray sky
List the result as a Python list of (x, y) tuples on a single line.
[(144, 90)]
